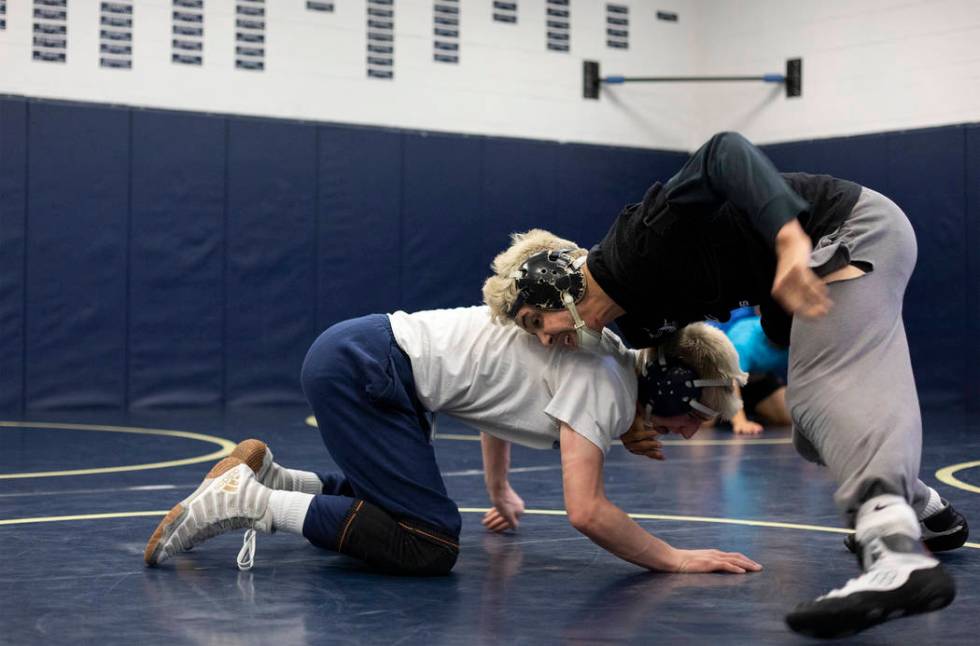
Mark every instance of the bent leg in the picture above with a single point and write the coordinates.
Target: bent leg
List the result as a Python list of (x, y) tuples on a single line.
[(852, 396), (851, 392), (360, 386)]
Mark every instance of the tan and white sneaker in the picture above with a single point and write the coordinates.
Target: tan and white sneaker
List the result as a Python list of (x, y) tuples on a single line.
[(258, 456), (230, 497), (254, 453)]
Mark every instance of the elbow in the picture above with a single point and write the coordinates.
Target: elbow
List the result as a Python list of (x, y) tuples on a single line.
[(584, 517)]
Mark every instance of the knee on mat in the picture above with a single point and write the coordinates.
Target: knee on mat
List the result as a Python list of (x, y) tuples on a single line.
[(395, 547)]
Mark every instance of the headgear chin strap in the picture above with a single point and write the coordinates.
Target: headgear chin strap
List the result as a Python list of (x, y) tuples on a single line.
[(553, 280), (586, 337), (668, 387)]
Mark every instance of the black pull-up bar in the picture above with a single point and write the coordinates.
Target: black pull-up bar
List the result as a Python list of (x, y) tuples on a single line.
[(793, 79)]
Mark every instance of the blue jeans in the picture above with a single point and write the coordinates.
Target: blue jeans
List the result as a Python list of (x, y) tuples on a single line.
[(362, 391)]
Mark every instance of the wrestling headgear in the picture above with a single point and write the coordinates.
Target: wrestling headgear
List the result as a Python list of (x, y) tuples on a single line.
[(668, 387), (552, 280)]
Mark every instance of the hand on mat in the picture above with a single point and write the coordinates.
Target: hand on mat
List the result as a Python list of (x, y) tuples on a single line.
[(690, 561), (742, 425), (641, 439), (796, 287), (507, 510)]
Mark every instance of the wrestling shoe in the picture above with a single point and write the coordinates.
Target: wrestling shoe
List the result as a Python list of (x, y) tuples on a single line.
[(254, 453), (258, 456), (899, 580), (944, 530), (229, 498)]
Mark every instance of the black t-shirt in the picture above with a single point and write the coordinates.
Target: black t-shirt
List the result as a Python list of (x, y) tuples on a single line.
[(703, 244)]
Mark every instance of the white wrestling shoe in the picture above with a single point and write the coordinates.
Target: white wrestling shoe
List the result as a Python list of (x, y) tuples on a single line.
[(258, 456), (230, 497)]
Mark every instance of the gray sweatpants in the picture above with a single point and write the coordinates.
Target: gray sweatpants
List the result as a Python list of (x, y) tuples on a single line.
[(851, 392)]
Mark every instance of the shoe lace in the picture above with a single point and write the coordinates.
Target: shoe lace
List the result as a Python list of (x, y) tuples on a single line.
[(246, 555)]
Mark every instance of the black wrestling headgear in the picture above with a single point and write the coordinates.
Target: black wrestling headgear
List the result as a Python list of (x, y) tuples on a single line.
[(668, 387), (544, 277)]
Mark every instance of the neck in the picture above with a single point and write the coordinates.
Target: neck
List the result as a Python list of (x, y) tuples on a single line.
[(597, 308)]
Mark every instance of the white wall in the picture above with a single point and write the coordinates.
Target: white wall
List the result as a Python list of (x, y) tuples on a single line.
[(507, 83), (868, 66)]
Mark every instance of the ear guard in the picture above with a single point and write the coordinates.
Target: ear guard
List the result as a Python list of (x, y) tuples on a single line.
[(548, 280)]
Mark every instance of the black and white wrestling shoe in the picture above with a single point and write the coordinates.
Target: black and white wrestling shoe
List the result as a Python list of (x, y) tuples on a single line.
[(942, 531), (900, 581), (899, 577)]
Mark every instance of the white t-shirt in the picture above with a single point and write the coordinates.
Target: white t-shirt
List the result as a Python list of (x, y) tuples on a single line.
[(499, 379)]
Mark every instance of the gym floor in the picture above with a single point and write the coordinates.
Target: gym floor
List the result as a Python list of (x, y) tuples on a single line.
[(80, 494)]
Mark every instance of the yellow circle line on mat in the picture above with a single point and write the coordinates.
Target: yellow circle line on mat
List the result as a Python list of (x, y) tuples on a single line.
[(58, 519), (226, 448), (482, 510), (946, 475), (311, 421)]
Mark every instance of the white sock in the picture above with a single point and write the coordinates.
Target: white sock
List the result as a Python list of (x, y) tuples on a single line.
[(885, 515), (295, 480), (934, 505), (289, 510)]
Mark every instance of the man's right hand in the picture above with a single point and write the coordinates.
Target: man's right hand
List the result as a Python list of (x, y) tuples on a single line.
[(507, 510), (796, 287), (742, 425), (641, 439)]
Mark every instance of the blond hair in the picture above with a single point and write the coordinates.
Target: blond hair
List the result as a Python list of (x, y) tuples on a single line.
[(709, 353), (500, 291)]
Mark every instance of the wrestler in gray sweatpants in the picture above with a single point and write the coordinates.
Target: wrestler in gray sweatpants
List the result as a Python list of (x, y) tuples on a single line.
[(851, 392)]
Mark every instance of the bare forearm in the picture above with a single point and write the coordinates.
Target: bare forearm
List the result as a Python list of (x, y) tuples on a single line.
[(790, 235), (610, 528), (496, 461)]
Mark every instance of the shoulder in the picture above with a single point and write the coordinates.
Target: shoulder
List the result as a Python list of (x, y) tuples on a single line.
[(614, 370)]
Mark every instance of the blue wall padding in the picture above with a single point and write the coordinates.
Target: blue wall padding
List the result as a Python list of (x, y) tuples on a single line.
[(519, 192), (441, 216), (923, 172), (860, 159), (78, 197), (972, 235), (935, 159), (13, 205), (595, 182), (271, 269), (171, 259), (358, 222), (176, 260)]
